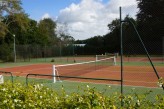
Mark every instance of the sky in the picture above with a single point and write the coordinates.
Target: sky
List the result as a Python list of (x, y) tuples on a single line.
[(81, 19)]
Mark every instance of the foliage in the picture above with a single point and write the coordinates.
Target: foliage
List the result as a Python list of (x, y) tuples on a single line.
[(18, 96), (150, 13), (17, 25), (94, 45), (31, 34), (46, 31), (150, 19), (9, 8), (64, 37), (150, 22), (114, 24), (3, 29), (5, 52)]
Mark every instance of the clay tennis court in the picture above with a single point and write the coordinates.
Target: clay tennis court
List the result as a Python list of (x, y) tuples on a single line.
[(133, 75)]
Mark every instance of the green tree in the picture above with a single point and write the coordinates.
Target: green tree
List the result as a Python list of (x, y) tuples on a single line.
[(151, 18), (114, 25), (9, 8), (46, 32), (31, 32), (150, 23), (63, 34), (13, 20), (112, 40), (18, 27)]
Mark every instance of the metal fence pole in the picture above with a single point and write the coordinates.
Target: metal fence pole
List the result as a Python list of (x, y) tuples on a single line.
[(14, 49), (121, 53)]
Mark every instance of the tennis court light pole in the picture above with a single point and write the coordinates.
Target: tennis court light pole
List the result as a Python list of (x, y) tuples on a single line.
[(14, 49), (121, 54)]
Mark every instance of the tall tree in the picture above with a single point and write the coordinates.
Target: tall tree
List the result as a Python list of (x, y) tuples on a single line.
[(151, 19), (13, 9), (17, 24), (151, 23), (111, 40), (13, 20), (31, 33), (114, 25), (63, 34), (46, 30)]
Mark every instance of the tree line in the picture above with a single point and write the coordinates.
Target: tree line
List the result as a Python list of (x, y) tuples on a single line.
[(15, 22)]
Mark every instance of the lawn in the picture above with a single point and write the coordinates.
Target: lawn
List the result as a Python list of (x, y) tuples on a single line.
[(78, 87)]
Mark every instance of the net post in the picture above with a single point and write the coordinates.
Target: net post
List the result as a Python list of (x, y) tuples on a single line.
[(114, 60), (54, 73), (1, 79), (96, 57)]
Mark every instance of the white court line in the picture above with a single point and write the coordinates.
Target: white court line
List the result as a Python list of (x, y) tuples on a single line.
[(20, 66), (140, 82)]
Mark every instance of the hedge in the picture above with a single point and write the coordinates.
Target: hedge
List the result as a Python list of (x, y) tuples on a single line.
[(37, 96)]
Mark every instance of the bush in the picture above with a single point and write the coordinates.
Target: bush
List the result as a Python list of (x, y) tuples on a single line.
[(5, 53), (18, 96), (52, 60)]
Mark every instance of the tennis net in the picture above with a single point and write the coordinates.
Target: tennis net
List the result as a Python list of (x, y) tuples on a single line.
[(83, 69)]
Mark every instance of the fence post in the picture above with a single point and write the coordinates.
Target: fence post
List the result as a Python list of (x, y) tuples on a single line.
[(54, 73)]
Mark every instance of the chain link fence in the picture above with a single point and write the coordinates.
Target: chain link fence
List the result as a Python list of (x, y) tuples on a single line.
[(42, 53), (138, 70)]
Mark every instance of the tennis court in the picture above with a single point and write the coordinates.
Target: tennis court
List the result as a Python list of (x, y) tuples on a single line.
[(134, 74)]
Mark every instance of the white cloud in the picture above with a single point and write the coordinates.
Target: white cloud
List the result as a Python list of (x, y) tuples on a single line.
[(46, 15), (91, 17)]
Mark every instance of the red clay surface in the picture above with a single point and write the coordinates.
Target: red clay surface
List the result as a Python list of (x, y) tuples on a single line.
[(133, 75)]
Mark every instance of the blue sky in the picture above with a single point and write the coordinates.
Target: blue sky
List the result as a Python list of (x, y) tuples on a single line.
[(37, 8), (84, 18)]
